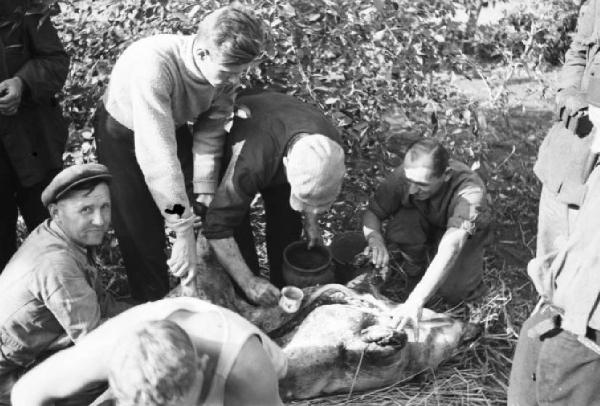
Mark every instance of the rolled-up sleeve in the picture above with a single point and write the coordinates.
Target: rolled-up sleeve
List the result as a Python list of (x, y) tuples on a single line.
[(468, 208), (67, 293), (231, 203), (387, 199)]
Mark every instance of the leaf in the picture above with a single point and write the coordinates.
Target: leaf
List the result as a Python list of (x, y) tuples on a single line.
[(342, 119), (379, 5), (288, 10), (194, 11)]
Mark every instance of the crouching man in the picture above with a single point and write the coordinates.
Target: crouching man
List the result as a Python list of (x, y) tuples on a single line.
[(290, 153), (178, 351), (437, 222), (50, 295)]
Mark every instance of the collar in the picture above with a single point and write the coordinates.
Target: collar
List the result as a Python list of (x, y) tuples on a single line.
[(85, 253), (192, 70)]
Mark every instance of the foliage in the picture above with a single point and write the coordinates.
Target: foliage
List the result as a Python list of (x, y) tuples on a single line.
[(537, 32)]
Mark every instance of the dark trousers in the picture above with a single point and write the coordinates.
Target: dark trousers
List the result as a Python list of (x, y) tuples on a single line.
[(16, 197), (410, 235), (554, 369), (283, 226), (137, 221)]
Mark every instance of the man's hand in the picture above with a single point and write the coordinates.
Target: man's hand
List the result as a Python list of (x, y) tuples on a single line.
[(183, 256), (571, 101), (378, 252), (201, 203), (313, 230), (260, 291), (11, 91), (408, 312)]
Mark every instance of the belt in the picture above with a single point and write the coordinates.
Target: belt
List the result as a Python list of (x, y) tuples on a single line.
[(551, 326)]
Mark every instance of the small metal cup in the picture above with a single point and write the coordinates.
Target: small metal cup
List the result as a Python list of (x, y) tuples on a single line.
[(291, 299)]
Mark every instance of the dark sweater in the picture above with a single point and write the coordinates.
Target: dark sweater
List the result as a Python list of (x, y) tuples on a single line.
[(255, 149)]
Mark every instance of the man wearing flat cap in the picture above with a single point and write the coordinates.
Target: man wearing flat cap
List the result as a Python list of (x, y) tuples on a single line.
[(290, 153), (50, 294)]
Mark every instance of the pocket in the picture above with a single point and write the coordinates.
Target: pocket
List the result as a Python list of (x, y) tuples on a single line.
[(12, 351), (560, 158)]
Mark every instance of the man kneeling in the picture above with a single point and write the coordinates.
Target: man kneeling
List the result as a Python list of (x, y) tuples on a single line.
[(50, 293), (178, 351), (437, 213)]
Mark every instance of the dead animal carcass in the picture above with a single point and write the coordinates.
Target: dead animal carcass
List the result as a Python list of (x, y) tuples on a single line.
[(339, 338)]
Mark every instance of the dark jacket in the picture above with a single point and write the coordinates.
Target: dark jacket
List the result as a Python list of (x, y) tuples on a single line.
[(34, 138), (255, 150)]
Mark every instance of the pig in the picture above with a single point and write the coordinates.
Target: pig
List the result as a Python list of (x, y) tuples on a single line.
[(340, 339)]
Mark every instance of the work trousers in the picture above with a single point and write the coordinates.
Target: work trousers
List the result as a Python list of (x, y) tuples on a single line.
[(138, 223), (17, 197), (283, 226), (554, 369), (412, 238)]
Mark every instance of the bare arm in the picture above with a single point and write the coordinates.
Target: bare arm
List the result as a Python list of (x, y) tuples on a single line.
[(372, 231), (61, 375), (450, 247), (257, 289), (253, 380), (68, 371)]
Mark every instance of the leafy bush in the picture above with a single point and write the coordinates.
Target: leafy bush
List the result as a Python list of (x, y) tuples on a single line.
[(538, 31)]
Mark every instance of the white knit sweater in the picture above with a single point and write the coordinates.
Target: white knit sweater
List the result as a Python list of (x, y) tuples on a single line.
[(155, 86)]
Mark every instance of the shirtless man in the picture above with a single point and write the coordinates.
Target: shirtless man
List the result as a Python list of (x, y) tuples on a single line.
[(178, 351)]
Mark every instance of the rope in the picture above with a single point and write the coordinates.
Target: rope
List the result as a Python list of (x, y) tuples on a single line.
[(362, 355)]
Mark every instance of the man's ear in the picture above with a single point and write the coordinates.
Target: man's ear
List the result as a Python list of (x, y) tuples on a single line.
[(285, 161), (447, 174), (53, 210)]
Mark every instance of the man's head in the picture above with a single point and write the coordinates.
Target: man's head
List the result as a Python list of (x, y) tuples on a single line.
[(426, 168), (315, 170), (228, 40), (156, 365), (78, 200)]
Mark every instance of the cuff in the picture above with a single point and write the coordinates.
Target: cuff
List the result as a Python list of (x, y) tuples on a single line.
[(205, 186), (180, 226)]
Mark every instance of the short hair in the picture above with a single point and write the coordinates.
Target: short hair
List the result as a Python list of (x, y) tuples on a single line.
[(153, 365), (434, 149), (87, 187), (237, 34)]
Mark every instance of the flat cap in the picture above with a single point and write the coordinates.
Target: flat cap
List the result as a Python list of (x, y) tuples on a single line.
[(71, 177)]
